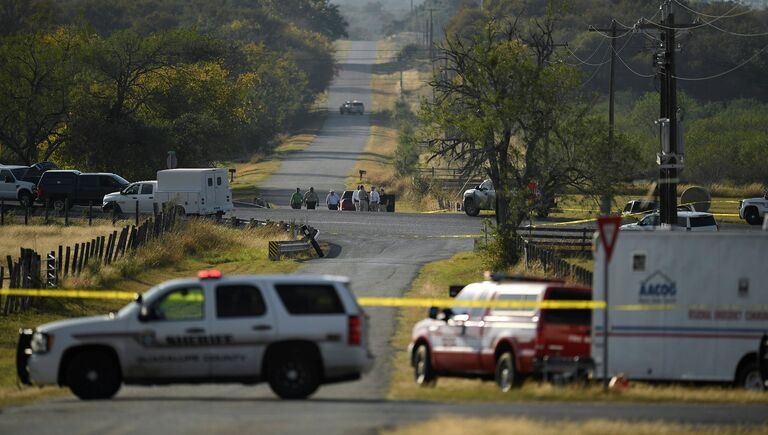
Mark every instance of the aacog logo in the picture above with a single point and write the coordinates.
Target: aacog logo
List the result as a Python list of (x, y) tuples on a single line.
[(658, 288)]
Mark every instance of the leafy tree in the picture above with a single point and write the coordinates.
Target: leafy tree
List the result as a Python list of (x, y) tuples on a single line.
[(24, 16), (502, 106), (37, 74)]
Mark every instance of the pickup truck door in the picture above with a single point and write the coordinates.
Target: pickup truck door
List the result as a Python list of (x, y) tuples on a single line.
[(172, 339), (128, 198), (146, 198), (246, 320)]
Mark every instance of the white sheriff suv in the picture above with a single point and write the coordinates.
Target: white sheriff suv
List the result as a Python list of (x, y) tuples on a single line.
[(295, 332), (753, 210)]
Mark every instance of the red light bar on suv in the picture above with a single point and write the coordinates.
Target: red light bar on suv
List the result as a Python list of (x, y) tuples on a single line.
[(209, 274)]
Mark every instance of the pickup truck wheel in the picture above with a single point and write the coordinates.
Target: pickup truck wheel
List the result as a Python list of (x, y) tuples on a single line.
[(423, 373), (25, 199), (470, 208), (749, 377), (292, 376), (752, 216), (93, 375), (58, 204), (506, 373)]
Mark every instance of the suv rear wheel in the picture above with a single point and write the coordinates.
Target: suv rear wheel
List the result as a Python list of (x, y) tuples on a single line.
[(423, 373), (293, 376), (507, 377), (93, 374)]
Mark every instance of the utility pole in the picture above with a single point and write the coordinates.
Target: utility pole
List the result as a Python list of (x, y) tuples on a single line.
[(670, 159), (607, 198)]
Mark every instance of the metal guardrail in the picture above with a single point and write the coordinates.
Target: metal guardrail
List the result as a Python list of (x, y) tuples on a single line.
[(279, 248)]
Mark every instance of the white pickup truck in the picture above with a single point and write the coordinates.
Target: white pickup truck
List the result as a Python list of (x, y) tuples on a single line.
[(296, 332), (198, 191), (753, 210)]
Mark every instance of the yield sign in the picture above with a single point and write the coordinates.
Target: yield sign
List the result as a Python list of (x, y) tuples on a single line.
[(609, 232)]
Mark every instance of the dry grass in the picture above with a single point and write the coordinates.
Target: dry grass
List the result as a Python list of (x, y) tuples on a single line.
[(46, 238), (198, 239), (525, 426), (433, 282)]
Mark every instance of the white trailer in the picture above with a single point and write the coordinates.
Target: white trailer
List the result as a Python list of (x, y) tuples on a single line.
[(716, 288), (202, 191)]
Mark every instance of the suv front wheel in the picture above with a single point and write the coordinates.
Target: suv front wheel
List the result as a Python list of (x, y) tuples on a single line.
[(470, 208), (752, 216), (26, 199), (423, 373), (93, 374), (293, 376)]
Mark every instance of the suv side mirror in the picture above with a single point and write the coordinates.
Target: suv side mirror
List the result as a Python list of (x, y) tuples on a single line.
[(432, 313), (445, 315)]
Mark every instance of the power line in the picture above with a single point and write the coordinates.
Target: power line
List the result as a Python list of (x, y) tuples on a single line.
[(682, 5), (729, 32), (690, 27), (714, 76)]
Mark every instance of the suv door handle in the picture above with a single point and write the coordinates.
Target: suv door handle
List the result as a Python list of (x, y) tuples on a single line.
[(195, 330), (262, 327)]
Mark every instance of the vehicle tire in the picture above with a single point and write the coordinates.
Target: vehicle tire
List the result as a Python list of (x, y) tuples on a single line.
[(749, 377), (506, 375), (423, 373), (94, 374), (112, 207), (470, 208), (752, 216), (58, 204), (26, 199), (293, 376)]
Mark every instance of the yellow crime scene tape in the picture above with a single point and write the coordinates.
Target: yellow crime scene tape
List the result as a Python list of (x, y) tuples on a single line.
[(365, 301)]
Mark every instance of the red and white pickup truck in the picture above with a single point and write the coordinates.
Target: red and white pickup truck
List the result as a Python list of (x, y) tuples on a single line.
[(505, 344)]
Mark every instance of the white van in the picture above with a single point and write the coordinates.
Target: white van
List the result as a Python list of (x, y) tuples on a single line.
[(202, 191), (711, 300)]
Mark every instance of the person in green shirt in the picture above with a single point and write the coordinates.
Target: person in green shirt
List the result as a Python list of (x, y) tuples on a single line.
[(297, 199)]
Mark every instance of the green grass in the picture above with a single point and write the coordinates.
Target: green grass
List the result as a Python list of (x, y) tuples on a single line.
[(433, 282), (196, 245)]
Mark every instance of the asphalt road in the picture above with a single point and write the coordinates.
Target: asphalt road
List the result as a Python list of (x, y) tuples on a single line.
[(381, 253), (328, 160)]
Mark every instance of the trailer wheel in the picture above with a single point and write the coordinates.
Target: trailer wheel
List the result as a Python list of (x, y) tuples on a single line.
[(749, 377), (507, 376)]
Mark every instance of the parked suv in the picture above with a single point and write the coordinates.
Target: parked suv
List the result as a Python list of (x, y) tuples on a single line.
[(79, 188), (753, 210), (505, 344), (295, 332), (14, 188)]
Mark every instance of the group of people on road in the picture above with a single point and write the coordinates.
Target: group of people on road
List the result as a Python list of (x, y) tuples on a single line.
[(367, 201), (309, 199), (362, 199)]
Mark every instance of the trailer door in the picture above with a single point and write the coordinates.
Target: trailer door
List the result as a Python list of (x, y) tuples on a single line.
[(220, 189), (208, 198)]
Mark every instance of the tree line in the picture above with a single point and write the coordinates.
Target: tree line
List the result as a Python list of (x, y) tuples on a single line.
[(115, 85)]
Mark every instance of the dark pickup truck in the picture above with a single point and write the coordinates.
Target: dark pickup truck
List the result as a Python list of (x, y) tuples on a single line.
[(56, 187)]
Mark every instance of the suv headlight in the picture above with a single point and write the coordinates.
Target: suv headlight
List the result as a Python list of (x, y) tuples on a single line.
[(41, 342)]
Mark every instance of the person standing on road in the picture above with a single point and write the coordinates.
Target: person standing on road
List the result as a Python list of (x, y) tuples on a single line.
[(383, 200), (296, 199), (375, 199), (332, 200), (363, 197), (310, 198), (356, 198)]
